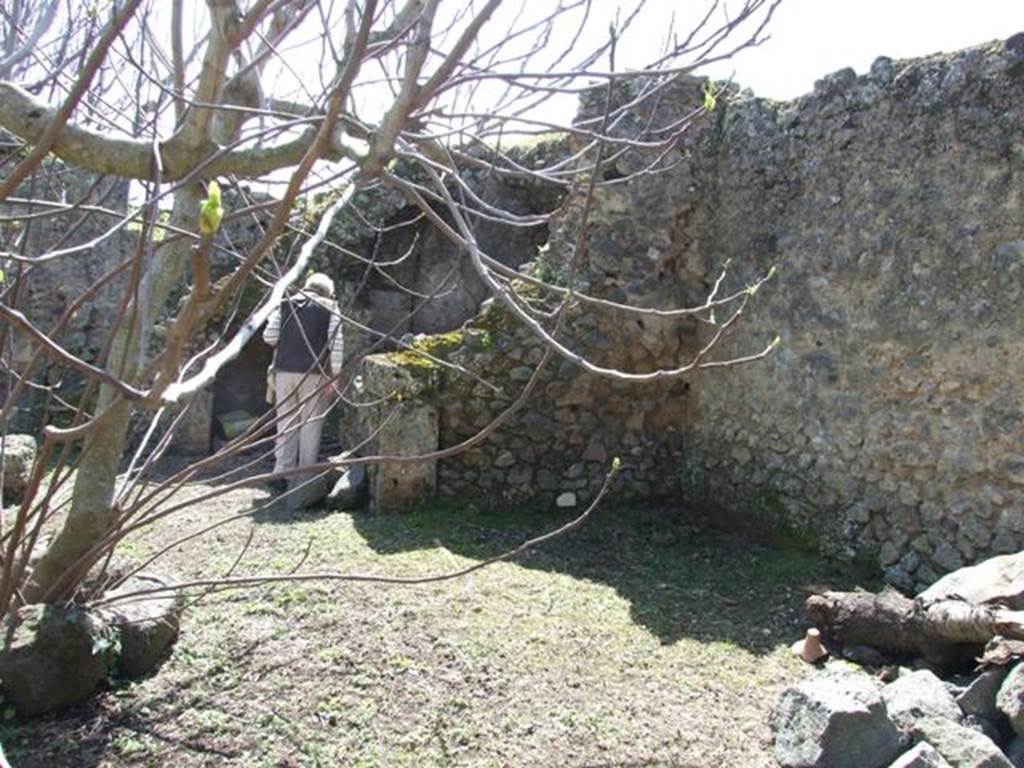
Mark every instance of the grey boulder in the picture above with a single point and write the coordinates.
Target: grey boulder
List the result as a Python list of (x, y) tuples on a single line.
[(835, 719), (979, 697), (53, 657), (961, 746), (998, 580), (305, 492), (1010, 699), (148, 624), (350, 489), (916, 695), (19, 454)]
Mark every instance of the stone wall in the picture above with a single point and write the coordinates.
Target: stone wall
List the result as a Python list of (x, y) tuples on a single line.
[(44, 291), (383, 255), (395, 258), (890, 423)]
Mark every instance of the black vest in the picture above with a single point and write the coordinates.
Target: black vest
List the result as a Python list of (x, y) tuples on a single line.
[(303, 343)]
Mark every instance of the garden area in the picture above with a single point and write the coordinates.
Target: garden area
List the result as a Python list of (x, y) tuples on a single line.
[(396, 341), (641, 638)]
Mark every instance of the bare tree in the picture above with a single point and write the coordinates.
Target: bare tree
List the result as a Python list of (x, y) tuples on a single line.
[(304, 96)]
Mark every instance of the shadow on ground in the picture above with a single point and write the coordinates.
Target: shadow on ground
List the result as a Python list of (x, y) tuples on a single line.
[(237, 470), (294, 674), (682, 577), (83, 736)]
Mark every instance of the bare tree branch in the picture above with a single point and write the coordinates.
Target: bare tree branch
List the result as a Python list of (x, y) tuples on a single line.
[(44, 143), (45, 15)]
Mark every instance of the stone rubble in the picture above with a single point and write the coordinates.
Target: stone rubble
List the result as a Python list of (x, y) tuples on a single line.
[(936, 723), (1010, 699)]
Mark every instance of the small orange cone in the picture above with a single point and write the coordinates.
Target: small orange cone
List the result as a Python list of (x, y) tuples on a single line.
[(810, 648)]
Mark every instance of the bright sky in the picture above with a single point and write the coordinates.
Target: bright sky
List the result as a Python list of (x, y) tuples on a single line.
[(807, 40), (811, 38)]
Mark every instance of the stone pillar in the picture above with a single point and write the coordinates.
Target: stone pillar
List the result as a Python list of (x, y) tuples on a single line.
[(411, 431), (192, 436)]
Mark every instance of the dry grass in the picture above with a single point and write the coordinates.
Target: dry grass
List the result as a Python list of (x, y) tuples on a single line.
[(640, 640)]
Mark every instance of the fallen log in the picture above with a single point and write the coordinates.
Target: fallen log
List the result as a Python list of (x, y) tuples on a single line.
[(948, 623), (945, 631)]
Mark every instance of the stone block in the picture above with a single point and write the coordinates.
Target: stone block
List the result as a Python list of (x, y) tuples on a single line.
[(1010, 699), (148, 625), (899, 578), (413, 431), (400, 485), (193, 432), (505, 459), (350, 488), (595, 452), (979, 697), (961, 746), (996, 580), (566, 500), (54, 657), (836, 719), (916, 695), (19, 454), (306, 491), (923, 755)]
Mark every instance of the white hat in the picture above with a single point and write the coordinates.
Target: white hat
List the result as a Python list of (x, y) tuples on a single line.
[(321, 284)]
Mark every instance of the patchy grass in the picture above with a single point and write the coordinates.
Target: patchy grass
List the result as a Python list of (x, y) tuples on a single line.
[(640, 639)]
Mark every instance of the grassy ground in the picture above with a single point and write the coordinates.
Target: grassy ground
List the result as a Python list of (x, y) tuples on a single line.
[(640, 640)]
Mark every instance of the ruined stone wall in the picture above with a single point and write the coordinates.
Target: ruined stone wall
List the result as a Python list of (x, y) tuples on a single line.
[(45, 290), (401, 275), (890, 423), (560, 445)]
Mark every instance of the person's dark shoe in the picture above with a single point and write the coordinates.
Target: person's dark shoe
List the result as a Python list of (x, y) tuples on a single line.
[(277, 486)]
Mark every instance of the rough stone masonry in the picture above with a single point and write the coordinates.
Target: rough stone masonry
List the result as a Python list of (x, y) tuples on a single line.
[(890, 423)]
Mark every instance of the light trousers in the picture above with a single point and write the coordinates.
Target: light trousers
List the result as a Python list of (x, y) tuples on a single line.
[(301, 405)]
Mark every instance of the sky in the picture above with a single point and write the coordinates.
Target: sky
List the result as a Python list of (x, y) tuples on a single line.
[(807, 39), (811, 38)]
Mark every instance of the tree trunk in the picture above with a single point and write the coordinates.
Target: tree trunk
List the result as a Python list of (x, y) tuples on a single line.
[(92, 515), (941, 631)]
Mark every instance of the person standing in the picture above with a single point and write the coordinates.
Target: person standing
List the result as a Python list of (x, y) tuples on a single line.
[(305, 331)]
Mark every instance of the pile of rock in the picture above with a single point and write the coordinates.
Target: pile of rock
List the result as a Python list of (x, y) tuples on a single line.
[(843, 717), (55, 656)]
